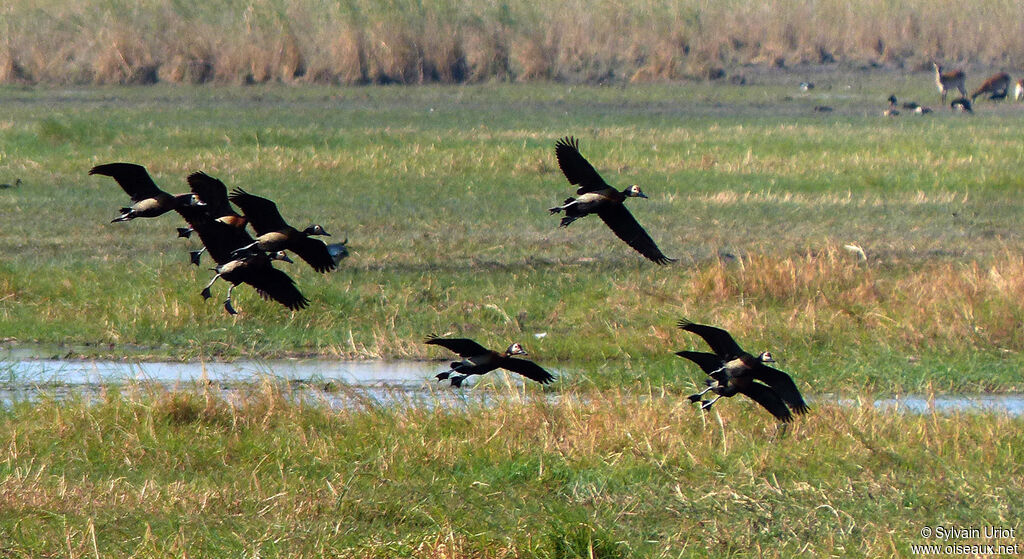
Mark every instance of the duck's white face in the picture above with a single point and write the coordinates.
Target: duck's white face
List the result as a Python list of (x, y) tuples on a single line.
[(635, 192), (766, 357), (316, 230), (516, 349), (280, 255)]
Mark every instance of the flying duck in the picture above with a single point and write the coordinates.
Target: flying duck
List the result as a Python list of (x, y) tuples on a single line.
[(214, 194), (597, 196), (478, 360), (147, 198), (274, 234), (732, 370), (248, 266)]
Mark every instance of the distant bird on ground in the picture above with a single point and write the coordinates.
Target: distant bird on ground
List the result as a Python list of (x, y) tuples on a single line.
[(961, 105), (16, 184), (338, 251), (806, 86), (945, 81), (597, 196), (923, 111), (478, 360), (822, 109), (734, 371), (274, 234), (1018, 90), (891, 111), (997, 85), (147, 198)]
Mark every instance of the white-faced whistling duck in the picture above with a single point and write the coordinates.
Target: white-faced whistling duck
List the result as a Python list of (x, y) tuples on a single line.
[(478, 360), (273, 233), (252, 267), (597, 196), (961, 105), (147, 198), (892, 110), (214, 194), (997, 86), (732, 370), (16, 184), (945, 81)]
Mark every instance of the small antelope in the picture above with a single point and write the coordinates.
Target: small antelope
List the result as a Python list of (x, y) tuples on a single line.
[(996, 86), (953, 79), (1018, 91)]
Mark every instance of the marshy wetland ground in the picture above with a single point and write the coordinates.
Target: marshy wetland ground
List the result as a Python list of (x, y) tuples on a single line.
[(442, 192)]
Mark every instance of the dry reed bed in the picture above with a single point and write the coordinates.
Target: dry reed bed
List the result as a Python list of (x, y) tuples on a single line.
[(401, 41), (640, 466)]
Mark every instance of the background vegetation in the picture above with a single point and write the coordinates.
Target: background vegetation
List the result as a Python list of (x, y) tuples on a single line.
[(414, 41), (443, 193), (147, 473)]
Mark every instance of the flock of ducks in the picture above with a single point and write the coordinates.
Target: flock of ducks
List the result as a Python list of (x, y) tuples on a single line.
[(996, 87), (240, 258), (208, 211)]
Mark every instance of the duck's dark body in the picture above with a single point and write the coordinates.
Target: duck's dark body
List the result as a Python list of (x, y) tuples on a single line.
[(595, 196), (274, 234), (734, 371), (148, 200), (248, 266), (478, 360)]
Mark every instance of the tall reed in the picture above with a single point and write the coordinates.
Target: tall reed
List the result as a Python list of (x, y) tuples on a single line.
[(405, 41)]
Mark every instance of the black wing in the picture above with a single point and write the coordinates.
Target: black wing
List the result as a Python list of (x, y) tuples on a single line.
[(219, 239), (577, 169), (314, 252), (273, 284), (708, 362), (625, 227), (463, 346), (133, 179), (261, 212), (212, 192), (783, 385), (720, 341), (769, 400), (528, 369)]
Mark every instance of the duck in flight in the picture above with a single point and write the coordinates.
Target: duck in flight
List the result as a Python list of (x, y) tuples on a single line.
[(252, 267), (595, 196), (733, 371), (274, 234), (478, 360), (148, 200)]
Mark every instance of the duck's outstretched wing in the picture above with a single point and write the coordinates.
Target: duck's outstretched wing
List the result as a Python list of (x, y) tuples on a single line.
[(708, 362), (720, 341), (132, 178), (769, 400), (576, 168), (783, 385), (261, 212), (315, 253), (211, 192), (273, 284), (625, 227), (463, 346), (528, 369)]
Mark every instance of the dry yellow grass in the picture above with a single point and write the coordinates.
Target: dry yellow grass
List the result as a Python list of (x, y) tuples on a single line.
[(366, 42)]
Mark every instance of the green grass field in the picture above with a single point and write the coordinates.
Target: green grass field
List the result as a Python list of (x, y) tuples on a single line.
[(442, 192)]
